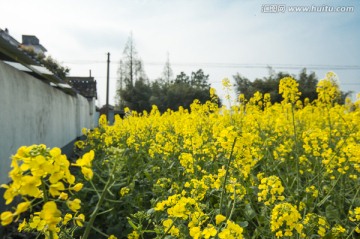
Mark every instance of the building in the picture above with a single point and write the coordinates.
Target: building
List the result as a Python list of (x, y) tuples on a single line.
[(6, 36), (14, 54), (37, 107), (34, 43), (86, 86)]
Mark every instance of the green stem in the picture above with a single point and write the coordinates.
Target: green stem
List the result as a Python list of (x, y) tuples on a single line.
[(168, 230), (352, 231), (93, 215), (226, 174), (328, 194), (106, 211), (296, 156), (233, 206), (93, 186), (99, 231), (353, 200), (95, 212), (43, 187)]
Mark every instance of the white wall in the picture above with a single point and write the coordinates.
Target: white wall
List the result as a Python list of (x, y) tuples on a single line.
[(33, 112)]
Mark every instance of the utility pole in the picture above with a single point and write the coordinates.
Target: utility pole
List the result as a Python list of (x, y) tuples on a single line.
[(107, 86)]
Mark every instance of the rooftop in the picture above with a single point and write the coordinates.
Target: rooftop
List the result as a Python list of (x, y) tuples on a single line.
[(11, 53), (86, 86)]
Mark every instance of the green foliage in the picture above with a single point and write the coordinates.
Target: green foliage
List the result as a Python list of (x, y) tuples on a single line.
[(50, 63), (270, 84), (137, 97), (167, 95), (257, 170)]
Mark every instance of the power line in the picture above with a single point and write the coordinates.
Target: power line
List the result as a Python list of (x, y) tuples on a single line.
[(232, 65)]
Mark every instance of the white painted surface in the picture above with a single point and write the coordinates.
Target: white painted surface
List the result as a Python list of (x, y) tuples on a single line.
[(33, 112)]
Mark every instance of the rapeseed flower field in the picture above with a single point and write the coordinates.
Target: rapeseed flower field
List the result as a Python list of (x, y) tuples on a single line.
[(254, 170)]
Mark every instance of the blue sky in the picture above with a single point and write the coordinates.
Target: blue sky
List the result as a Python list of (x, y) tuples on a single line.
[(197, 34)]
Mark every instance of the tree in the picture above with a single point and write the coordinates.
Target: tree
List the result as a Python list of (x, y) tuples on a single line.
[(119, 102), (167, 75), (184, 90), (130, 73), (200, 80), (270, 84), (182, 78), (307, 86), (138, 97), (132, 64)]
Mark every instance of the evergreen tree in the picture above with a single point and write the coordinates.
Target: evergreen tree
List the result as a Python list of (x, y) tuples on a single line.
[(307, 86), (167, 75), (271, 83), (133, 86)]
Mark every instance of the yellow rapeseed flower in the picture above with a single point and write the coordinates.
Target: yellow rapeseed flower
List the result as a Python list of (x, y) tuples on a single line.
[(85, 162), (30, 186), (209, 231), (51, 215), (37, 223), (288, 88), (22, 207), (123, 191), (6, 218), (74, 205), (219, 219), (56, 188), (67, 218), (195, 232), (79, 220), (133, 235)]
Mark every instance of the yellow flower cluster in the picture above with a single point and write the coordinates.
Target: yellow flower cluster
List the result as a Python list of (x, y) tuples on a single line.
[(124, 191), (312, 189), (208, 172), (232, 231), (270, 190), (179, 206), (288, 88), (207, 159), (315, 225), (285, 220), (40, 173), (328, 89), (85, 164), (170, 228), (354, 216)]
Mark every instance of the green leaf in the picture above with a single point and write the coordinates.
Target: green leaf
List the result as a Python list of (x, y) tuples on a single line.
[(323, 200), (249, 212), (132, 223), (150, 211), (331, 213), (243, 224)]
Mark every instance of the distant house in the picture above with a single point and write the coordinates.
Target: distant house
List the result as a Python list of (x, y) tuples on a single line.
[(37, 106), (13, 53), (34, 43), (6, 36), (86, 86)]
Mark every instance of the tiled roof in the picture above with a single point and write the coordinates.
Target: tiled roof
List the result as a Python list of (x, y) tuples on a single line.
[(12, 54), (85, 85)]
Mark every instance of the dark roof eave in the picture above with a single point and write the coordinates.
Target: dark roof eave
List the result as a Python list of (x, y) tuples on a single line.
[(14, 53), (10, 52)]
